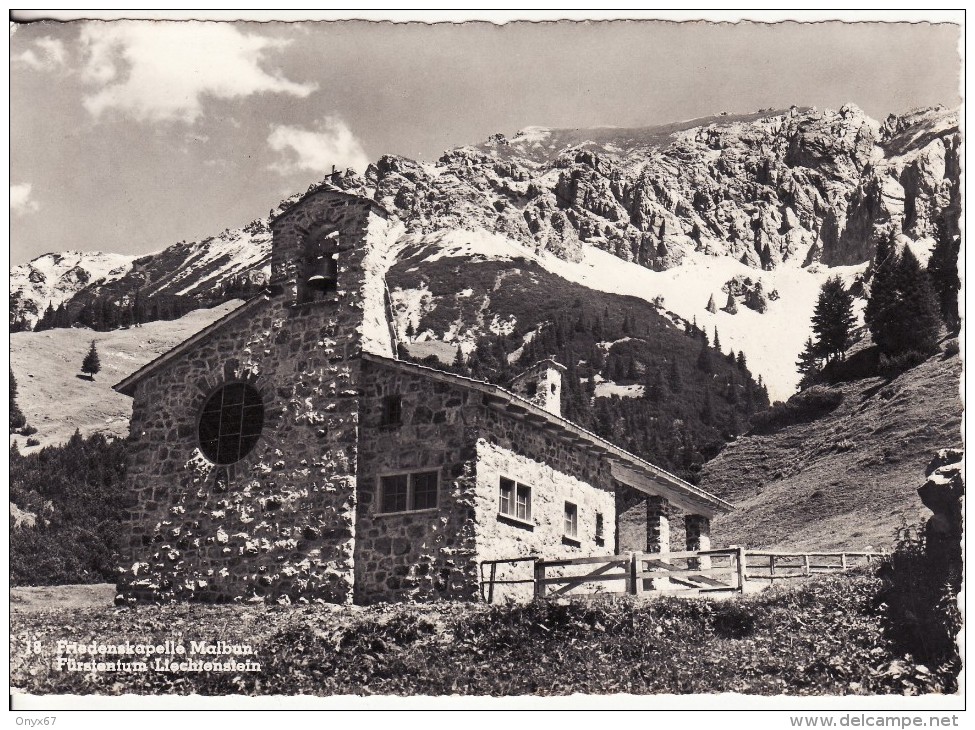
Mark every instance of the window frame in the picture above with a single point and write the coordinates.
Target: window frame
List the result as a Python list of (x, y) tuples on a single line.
[(255, 438), (410, 492), (517, 489), (574, 524)]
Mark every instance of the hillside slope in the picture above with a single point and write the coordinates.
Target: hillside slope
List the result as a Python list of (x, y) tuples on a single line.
[(848, 479), (57, 399)]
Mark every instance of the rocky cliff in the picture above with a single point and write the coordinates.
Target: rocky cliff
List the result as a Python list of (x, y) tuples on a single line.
[(752, 210)]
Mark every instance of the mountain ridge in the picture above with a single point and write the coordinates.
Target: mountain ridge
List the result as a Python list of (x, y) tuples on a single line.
[(725, 205)]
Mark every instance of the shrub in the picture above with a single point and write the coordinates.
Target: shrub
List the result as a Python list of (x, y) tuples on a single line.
[(805, 406), (893, 365), (922, 618), (80, 485), (734, 621), (27, 431), (952, 349)]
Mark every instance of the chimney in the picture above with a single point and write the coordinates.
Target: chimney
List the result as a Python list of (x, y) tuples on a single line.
[(542, 385)]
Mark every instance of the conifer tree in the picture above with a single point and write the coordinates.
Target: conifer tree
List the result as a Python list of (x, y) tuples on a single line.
[(943, 270), (410, 332), (902, 312), (712, 307), (732, 306), (91, 365), (656, 387), (833, 320), (808, 363), (704, 359), (17, 419), (717, 342)]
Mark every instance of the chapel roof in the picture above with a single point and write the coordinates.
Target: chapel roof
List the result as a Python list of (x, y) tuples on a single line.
[(671, 486)]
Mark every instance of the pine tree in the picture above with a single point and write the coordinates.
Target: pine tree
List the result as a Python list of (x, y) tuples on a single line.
[(712, 307), (882, 301), (627, 326), (902, 312), (943, 270), (717, 342), (410, 332), (17, 419), (46, 321), (808, 364), (656, 387), (732, 306), (833, 320), (90, 364), (704, 359)]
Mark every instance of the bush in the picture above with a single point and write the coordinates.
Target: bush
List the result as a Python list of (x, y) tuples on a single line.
[(922, 619), (79, 486), (26, 431), (890, 366), (952, 349), (805, 406)]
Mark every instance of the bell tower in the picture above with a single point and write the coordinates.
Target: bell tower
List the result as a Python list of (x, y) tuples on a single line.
[(328, 252)]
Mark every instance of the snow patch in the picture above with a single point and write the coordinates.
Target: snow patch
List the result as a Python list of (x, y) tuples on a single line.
[(55, 277), (531, 135), (608, 389)]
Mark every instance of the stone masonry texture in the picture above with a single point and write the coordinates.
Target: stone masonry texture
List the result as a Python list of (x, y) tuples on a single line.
[(300, 517), (280, 523)]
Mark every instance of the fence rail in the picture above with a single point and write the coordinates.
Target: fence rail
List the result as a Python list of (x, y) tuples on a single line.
[(690, 571)]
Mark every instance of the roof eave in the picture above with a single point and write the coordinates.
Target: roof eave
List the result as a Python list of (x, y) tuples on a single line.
[(128, 385), (703, 500)]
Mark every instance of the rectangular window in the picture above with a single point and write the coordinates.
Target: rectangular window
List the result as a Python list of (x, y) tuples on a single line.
[(507, 502), (515, 500), (600, 538), (424, 490), (571, 520), (392, 414), (395, 493), (409, 492)]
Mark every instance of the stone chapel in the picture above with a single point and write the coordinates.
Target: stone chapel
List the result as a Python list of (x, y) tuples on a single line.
[(285, 454)]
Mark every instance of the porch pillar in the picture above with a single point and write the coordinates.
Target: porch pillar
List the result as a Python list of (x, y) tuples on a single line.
[(658, 526), (697, 529), (658, 537)]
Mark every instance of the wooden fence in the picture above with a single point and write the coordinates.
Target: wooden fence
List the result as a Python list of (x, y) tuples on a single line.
[(724, 570)]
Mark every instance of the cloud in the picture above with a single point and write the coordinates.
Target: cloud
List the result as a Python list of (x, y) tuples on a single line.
[(156, 71), (47, 54), (330, 142), (20, 201)]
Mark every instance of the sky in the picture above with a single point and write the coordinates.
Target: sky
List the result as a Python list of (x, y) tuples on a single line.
[(129, 136)]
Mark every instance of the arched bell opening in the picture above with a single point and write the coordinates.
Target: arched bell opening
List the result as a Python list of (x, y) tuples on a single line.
[(319, 278), (324, 276)]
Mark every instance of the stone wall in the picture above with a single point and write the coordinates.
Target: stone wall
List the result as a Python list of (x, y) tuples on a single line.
[(280, 523), (427, 554), (556, 472)]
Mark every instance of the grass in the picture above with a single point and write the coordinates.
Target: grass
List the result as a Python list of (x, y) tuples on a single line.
[(844, 480), (825, 637)]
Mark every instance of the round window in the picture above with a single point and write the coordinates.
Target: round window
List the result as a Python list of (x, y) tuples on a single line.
[(231, 423)]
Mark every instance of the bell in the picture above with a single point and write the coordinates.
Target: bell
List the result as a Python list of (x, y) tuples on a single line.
[(328, 279)]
